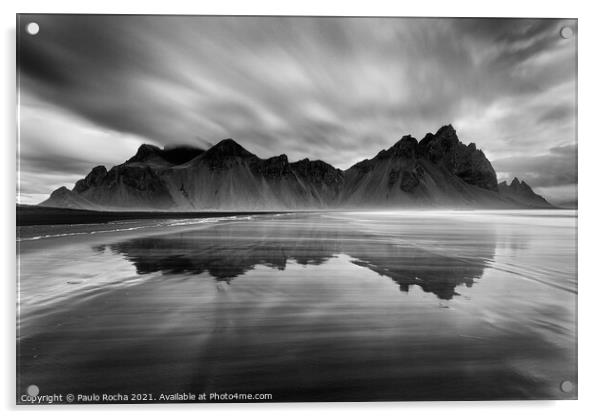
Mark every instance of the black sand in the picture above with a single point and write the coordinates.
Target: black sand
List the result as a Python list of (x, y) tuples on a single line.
[(28, 215)]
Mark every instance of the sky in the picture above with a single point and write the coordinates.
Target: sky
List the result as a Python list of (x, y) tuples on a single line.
[(92, 89)]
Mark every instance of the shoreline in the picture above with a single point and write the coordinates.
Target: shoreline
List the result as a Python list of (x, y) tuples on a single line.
[(34, 215), (31, 215)]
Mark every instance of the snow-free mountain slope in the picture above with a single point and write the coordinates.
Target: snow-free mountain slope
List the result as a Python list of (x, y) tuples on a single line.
[(437, 171)]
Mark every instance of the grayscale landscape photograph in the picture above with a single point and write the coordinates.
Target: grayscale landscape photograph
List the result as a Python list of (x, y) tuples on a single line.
[(276, 209)]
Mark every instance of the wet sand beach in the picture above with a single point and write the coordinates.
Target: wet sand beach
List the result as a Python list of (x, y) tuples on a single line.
[(342, 306)]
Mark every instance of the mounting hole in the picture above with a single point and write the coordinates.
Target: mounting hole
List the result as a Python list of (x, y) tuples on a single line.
[(33, 390), (566, 386), (32, 28), (566, 32)]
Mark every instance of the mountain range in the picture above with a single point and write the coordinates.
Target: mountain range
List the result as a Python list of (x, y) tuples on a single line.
[(437, 171)]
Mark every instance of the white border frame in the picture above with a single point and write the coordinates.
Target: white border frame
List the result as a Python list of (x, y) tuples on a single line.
[(589, 200)]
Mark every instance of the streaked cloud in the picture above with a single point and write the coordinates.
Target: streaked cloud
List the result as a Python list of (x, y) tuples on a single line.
[(94, 87), (552, 174), (554, 168)]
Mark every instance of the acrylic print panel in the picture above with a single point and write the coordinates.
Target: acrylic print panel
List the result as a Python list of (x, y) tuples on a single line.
[(274, 209)]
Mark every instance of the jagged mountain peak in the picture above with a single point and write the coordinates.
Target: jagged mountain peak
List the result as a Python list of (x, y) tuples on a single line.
[(408, 138), (282, 158), (445, 139), (446, 131), (60, 191), (406, 147), (227, 148), (99, 169), (178, 154), (273, 167), (307, 161), (520, 192), (314, 166), (515, 184), (445, 149), (521, 186), (144, 152), (92, 179)]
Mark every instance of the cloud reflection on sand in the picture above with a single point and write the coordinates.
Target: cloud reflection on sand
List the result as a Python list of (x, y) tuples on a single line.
[(230, 251), (308, 307)]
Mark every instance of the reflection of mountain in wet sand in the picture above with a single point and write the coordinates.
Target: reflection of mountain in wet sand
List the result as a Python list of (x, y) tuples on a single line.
[(306, 316), (228, 251)]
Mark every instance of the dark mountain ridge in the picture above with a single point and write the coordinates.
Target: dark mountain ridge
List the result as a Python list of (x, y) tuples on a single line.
[(520, 192), (174, 155), (437, 171)]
